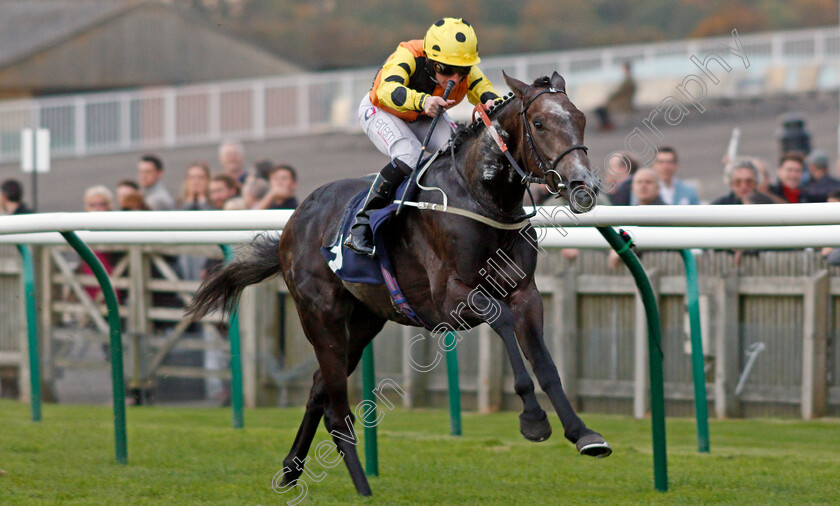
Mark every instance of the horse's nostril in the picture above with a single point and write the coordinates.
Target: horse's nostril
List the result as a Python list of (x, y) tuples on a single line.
[(581, 197)]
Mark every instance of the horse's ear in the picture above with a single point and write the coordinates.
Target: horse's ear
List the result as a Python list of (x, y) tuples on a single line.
[(557, 81), (516, 86)]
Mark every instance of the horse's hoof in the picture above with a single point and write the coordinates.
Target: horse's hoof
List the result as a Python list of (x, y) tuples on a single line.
[(593, 445), (535, 430)]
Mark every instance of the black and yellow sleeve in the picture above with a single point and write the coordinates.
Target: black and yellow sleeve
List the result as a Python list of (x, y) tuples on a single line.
[(392, 91), (480, 88)]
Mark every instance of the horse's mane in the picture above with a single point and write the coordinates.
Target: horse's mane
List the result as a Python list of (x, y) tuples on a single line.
[(470, 131)]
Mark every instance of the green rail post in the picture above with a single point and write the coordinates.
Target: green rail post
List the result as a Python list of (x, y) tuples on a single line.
[(657, 388), (235, 358), (117, 378), (454, 386), (692, 292), (31, 331), (368, 385)]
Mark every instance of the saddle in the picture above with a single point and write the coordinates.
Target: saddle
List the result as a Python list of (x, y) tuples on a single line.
[(354, 268)]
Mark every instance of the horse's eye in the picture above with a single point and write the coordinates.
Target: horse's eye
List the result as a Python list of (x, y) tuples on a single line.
[(538, 125)]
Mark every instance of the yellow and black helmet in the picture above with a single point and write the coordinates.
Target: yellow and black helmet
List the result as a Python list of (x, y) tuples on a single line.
[(453, 42)]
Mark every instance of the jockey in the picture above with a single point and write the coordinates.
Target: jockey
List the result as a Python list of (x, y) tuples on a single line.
[(405, 96)]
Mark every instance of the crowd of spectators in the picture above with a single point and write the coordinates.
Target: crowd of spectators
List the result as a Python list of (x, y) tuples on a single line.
[(228, 186), (274, 186), (265, 186), (798, 179)]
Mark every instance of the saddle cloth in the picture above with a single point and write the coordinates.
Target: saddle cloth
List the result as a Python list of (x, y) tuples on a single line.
[(354, 268)]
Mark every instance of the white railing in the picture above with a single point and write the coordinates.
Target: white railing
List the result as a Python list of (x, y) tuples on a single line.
[(257, 109), (776, 226)]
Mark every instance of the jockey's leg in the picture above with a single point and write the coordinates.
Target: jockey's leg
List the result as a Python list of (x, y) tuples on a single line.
[(380, 194), (443, 132), (391, 135)]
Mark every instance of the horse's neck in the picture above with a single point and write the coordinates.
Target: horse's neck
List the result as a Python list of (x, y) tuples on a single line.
[(490, 178)]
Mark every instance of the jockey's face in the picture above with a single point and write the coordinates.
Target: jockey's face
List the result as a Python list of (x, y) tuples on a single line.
[(445, 73)]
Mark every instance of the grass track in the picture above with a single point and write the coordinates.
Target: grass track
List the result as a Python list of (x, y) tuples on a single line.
[(189, 456)]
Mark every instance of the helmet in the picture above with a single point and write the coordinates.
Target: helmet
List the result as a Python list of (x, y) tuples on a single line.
[(453, 42)]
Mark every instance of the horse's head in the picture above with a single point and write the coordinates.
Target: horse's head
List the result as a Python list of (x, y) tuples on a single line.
[(551, 140)]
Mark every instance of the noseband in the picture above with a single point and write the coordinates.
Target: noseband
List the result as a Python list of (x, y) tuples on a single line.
[(536, 152)]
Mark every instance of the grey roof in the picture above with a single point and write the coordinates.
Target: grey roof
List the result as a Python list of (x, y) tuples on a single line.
[(27, 26)]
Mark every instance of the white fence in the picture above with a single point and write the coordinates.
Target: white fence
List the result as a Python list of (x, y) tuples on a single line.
[(736, 226), (779, 216), (99, 123)]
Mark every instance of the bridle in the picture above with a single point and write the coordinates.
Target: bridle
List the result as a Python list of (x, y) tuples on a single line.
[(536, 153)]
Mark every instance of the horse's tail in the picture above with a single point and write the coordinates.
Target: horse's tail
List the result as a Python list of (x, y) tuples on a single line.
[(222, 288)]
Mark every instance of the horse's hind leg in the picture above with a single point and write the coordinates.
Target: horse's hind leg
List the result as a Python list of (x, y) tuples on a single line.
[(338, 354), (361, 328), (294, 461)]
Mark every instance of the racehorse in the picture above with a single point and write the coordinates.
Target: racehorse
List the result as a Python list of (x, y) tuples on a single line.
[(438, 260)]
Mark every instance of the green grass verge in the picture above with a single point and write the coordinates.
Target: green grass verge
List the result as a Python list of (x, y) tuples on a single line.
[(188, 456)]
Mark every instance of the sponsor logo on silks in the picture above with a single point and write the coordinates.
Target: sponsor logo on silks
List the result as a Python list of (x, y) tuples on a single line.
[(384, 131), (370, 112)]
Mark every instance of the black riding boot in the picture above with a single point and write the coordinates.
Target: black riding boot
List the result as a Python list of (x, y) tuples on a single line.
[(380, 195)]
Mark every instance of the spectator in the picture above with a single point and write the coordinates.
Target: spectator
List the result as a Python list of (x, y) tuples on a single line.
[(789, 176), (11, 198), (282, 187), (222, 188), (647, 188), (134, 202), (821, 184), (124, 188), (150, 176), (742, 178), (620, 100), (671, 189), (99, 198), (194, 188), (253, 191), (232, 159), (262, 169), (832, 255), (618, 179), (763, 184)]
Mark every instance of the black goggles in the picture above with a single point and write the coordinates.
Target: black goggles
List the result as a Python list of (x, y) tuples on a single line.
[(450, 70)]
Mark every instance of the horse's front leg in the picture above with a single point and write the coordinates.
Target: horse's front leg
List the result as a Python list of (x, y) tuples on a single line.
[(526, 305), (533, 422)]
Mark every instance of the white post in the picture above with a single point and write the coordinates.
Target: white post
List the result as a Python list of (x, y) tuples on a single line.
[(258, 110), (489, 388), (80, 113), (125, 121), (641, 378), (170, 117), (214, 96), (814, 344), (303, 105)]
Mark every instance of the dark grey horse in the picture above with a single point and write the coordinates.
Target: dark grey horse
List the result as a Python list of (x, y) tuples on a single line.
[(440, 261)]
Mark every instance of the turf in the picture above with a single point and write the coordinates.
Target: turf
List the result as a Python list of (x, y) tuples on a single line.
[(189, 456)]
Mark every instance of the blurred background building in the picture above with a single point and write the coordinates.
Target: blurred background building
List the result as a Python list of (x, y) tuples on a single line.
[(64, 46)]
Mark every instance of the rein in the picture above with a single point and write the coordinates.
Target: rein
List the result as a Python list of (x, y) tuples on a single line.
[(527, 179)]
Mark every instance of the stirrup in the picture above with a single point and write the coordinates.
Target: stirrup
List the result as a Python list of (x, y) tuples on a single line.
[(349, 244)]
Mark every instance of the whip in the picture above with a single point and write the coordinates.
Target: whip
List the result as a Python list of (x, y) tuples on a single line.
[(412, 178)]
